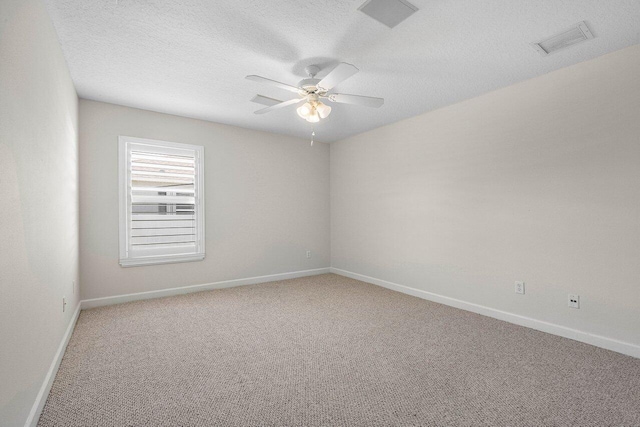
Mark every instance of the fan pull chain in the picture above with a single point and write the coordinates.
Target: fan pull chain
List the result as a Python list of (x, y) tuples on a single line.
[(313, 133)]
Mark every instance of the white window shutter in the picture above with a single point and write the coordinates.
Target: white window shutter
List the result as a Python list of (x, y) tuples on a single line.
[(161, 209)]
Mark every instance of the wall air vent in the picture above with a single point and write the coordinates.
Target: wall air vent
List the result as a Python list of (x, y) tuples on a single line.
[(388, 12), (577, 34)]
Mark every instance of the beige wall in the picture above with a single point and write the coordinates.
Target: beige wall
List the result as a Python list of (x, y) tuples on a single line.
[(39, 199), (538, 182), (267, 201)]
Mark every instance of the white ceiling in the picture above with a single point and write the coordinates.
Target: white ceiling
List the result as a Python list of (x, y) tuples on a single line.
[(190, 57)]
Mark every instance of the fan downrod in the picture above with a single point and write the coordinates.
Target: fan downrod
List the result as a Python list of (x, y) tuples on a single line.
[(309, 85), (312, 70)]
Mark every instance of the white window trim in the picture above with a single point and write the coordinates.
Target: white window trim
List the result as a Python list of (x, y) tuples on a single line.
[(124, 197)]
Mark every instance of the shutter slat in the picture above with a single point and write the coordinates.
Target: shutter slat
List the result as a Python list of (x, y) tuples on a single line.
[(161, 217), (156, 166), (147, 240), (161, 224), (161, 180), (137, 156), (176, 200), (143, 173), (167, 189), (166, 231)]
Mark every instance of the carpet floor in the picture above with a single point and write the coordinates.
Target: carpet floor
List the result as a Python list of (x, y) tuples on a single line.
[(329, 351)]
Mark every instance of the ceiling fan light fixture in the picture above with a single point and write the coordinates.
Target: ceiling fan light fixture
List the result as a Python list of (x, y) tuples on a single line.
[(313, 117), (311, 90), (305, 110), (323, 110)]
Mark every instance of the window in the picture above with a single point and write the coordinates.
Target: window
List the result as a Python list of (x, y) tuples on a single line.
[(161, 202)]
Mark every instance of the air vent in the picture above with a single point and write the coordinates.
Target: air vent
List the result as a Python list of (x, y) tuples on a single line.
[(578, 34), (388, 12)]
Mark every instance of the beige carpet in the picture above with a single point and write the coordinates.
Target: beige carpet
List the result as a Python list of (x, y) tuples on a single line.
[(331, 351)]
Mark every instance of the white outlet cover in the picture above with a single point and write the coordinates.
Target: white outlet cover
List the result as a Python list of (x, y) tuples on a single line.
[(519, 287), (574, 301)]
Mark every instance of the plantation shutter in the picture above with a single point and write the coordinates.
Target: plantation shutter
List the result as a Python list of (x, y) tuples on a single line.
[(163, 207)]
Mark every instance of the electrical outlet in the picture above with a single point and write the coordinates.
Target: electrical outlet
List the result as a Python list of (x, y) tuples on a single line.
[(519, 287), (64, 304), (308, 254), (574, 301)]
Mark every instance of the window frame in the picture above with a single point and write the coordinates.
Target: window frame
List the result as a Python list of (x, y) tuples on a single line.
[(124, 199)]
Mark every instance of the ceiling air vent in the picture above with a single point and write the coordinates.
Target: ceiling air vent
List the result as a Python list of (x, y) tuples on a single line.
[(388, 12), (577, 34)]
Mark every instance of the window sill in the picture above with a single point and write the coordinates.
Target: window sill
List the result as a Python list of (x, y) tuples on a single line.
[(137, 262)]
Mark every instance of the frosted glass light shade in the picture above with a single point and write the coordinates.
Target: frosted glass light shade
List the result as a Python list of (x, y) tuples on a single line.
[(305, 110), (313, 117), (323, 110)]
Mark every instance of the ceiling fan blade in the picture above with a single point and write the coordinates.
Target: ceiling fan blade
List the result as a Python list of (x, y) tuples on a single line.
[(366, 101), (280, 105), (265, 100), (339, 74), (273, 82)]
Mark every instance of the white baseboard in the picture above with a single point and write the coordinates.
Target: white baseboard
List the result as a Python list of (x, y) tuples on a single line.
[(551, 328), (41, 398), (98, 302)]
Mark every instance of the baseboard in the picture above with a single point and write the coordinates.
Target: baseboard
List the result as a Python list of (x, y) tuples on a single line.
[(551, 328), (99, 302), (41, 398)]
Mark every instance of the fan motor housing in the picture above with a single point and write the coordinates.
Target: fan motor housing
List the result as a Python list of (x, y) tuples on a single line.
[(309, 84)]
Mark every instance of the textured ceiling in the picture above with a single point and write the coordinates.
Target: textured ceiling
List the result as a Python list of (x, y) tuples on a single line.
[(190, 57)]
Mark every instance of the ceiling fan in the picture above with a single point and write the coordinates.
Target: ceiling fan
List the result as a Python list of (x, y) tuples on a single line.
[(313, 91)]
